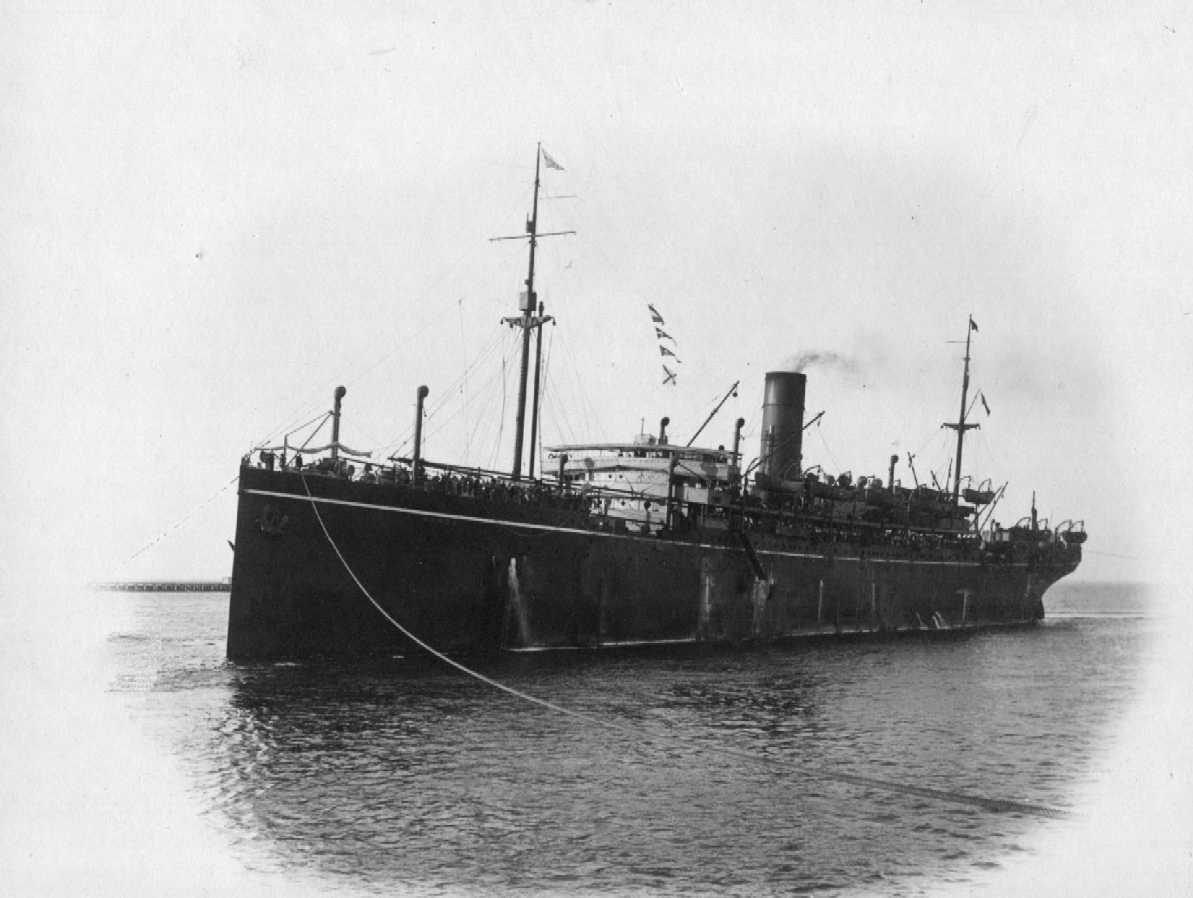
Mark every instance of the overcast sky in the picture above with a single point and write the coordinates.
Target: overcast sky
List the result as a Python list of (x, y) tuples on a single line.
[(214, 214)]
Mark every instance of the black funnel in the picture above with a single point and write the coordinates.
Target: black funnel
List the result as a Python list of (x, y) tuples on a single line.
[(782, 425)]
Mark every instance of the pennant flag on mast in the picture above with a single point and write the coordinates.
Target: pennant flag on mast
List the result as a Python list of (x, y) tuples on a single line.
[(663, 350), (549, 162), (973, 324), (985, 404), (663, 335), (654, 314)]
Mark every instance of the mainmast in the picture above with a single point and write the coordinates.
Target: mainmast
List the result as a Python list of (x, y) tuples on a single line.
[(528, 320), (961, 426)]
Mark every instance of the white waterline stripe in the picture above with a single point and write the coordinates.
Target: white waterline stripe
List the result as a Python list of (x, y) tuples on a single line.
[(421, 512), (824, 630), (603, 644)]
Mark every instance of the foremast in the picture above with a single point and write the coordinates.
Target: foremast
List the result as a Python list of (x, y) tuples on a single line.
[(961, 426), (531, 317)]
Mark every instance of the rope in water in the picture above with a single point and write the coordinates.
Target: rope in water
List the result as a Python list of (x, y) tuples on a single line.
[(989, 804)]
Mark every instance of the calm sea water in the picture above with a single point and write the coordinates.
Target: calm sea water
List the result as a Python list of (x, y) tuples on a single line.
[(405, 777)]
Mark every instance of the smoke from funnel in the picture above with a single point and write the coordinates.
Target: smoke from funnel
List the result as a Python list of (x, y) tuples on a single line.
[(824, 357)]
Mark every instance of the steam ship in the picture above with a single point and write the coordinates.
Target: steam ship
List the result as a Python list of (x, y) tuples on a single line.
[(622, 543)]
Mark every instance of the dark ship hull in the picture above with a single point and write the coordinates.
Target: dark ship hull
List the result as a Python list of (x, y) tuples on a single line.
[(473, 574)]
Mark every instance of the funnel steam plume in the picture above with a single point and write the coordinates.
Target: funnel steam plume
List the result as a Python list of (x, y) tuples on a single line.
[(804, 360)]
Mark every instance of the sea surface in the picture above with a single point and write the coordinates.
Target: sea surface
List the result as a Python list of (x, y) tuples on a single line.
[(816, 768)]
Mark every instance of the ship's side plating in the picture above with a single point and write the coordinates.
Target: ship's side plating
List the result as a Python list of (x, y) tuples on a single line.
[(466, 574)]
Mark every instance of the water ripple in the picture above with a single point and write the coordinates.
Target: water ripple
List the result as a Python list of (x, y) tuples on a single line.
[(404, 774)]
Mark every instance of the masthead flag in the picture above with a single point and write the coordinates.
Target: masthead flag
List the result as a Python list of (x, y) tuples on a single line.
[(973, 324), (551, 163)]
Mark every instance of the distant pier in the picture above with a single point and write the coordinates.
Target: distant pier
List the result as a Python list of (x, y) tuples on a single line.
[(165, 586)]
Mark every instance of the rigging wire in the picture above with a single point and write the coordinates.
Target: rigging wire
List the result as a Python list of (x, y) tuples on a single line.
[(464, 387), (449, 392), (937, 441), (431, 285), (321, 415), (501, 417), (445, 421), (178, 523), (480, 419), (289, 427), (313, 433), (559, 411), (827, 450), (352, 380), (991, 450), (395, 444), (664, 740), (581, 394), (543, 396), (551, 413), (483, 419), (935, 437)]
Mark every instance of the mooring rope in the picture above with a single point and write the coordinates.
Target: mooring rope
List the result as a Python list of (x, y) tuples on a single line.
[(989, 804)]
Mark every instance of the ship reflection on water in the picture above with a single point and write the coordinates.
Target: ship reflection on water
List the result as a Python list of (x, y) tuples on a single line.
[(402, 773)]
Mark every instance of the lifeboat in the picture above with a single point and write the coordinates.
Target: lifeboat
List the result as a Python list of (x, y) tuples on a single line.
[(1072, 532), (983, 495), (977, 497)]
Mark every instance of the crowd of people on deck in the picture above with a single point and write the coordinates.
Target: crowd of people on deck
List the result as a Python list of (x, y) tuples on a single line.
[(494, 489), (475, 485)]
